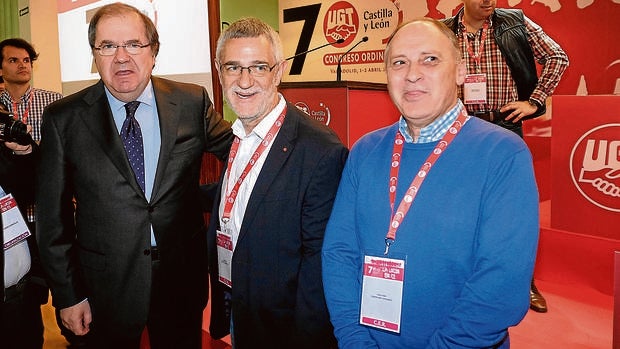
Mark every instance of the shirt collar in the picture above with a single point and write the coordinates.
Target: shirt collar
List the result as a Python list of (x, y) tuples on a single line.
[(264, 125), (435, 130), (147, 97), (4, 95), (462, 27), (27, 94)]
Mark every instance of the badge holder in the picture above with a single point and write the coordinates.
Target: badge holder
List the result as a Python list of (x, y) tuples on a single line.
[(382, 291)]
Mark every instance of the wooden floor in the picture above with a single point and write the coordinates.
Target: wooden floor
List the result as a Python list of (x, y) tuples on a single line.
[(53, 338)]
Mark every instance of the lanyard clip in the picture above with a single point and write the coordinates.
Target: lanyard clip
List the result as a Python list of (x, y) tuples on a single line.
[(388, 243)]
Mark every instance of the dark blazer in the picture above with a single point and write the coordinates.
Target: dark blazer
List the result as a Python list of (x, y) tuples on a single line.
[(100, 250), (277, 293)]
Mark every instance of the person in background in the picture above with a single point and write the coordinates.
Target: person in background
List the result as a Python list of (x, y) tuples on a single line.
[(423, 248), (275, 197), (24, 288), (26, 103), (29, 103), (501, 48), (121, 232)]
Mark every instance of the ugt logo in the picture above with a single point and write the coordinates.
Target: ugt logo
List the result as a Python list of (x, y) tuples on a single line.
[(322, 114), (595, 166), (341, 22)]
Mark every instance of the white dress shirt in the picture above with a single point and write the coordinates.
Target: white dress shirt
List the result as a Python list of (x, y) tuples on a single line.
[(247, 146)]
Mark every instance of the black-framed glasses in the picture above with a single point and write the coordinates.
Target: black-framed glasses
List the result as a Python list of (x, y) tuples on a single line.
[(257, 70), (133, 48)]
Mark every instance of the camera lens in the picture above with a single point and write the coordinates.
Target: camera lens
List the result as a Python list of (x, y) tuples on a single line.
[(13, 130)]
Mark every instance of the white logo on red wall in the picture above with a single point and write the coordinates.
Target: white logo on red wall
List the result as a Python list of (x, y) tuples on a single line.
[(320, 114), (341, 22), (595, 166)]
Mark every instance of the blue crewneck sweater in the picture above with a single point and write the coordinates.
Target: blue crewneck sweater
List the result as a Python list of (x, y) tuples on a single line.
[(469, 239)]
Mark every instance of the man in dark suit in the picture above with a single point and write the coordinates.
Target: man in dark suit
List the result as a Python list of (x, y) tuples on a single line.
[(23, 284), (276, 195), (121, 231)]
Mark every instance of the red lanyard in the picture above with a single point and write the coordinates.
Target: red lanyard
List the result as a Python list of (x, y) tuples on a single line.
[(26, 111), (483, 38), (414, 187), (231, 197)]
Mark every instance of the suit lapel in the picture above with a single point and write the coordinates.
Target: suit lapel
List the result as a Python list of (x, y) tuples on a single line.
[(99, 120), (282, 147), (168, 113)]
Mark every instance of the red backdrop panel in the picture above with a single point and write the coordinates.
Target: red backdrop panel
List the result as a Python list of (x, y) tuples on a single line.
[(352, 109), (585, 160)]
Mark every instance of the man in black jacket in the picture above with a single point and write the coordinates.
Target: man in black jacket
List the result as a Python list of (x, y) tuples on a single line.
[(501, 48)]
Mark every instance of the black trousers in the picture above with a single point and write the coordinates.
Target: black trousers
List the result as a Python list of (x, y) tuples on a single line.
[(22, 324), (164, 333)]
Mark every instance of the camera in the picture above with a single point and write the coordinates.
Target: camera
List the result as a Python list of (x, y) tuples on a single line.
[(12, 130)]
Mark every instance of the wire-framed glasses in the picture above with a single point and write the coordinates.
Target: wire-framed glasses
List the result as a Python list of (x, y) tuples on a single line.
[(257, 70), (133, 48)]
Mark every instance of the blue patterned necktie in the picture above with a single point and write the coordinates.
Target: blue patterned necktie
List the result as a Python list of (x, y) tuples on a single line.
[(132, 139)]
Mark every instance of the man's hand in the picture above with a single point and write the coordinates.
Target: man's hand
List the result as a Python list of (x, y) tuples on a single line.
[(520, 109), (19, 149), (77, 318)]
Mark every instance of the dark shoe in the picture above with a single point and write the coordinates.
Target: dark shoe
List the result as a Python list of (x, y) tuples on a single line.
[(537, 301)]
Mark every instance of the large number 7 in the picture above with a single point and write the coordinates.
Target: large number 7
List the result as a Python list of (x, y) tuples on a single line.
[(309, 15)]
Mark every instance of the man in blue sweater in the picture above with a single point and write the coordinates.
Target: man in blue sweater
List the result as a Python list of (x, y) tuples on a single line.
[(435, 215)]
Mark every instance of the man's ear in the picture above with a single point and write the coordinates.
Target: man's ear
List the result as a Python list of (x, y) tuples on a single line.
[(219, 72), (461, 71), (281, 69)]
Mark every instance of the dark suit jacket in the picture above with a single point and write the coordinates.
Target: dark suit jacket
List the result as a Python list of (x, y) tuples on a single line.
[(277, 292), (100, 250)]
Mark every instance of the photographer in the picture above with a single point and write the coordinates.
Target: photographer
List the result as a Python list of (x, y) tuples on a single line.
[(24, 289), (26, 103)]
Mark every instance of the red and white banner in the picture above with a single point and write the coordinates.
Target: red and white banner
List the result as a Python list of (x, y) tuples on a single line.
[(586, 30), (585, 162)]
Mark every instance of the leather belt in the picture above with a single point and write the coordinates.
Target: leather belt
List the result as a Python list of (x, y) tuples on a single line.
[(154, 253), (492, 115)]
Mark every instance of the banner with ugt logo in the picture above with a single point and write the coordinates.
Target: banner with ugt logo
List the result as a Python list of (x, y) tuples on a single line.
[(585, 160), (351, 34)]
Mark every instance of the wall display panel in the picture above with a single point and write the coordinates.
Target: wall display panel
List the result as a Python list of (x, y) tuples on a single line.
[(307, 24), (183, 35), (585, 162), (586, 30)]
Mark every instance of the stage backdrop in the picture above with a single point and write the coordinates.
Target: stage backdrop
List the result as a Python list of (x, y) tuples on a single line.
[(586, 29)]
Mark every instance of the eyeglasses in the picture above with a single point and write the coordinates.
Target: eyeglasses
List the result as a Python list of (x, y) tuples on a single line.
[(134, 48), (256, 70)]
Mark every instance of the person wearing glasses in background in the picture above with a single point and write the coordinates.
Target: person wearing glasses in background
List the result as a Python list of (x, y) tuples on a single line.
[(274, 200), (131, 253)]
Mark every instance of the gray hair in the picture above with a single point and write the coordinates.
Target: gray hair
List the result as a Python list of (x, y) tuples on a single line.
[(250, 27)]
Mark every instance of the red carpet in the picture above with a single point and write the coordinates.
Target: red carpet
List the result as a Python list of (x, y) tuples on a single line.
[(575, 274), (579, 317)]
